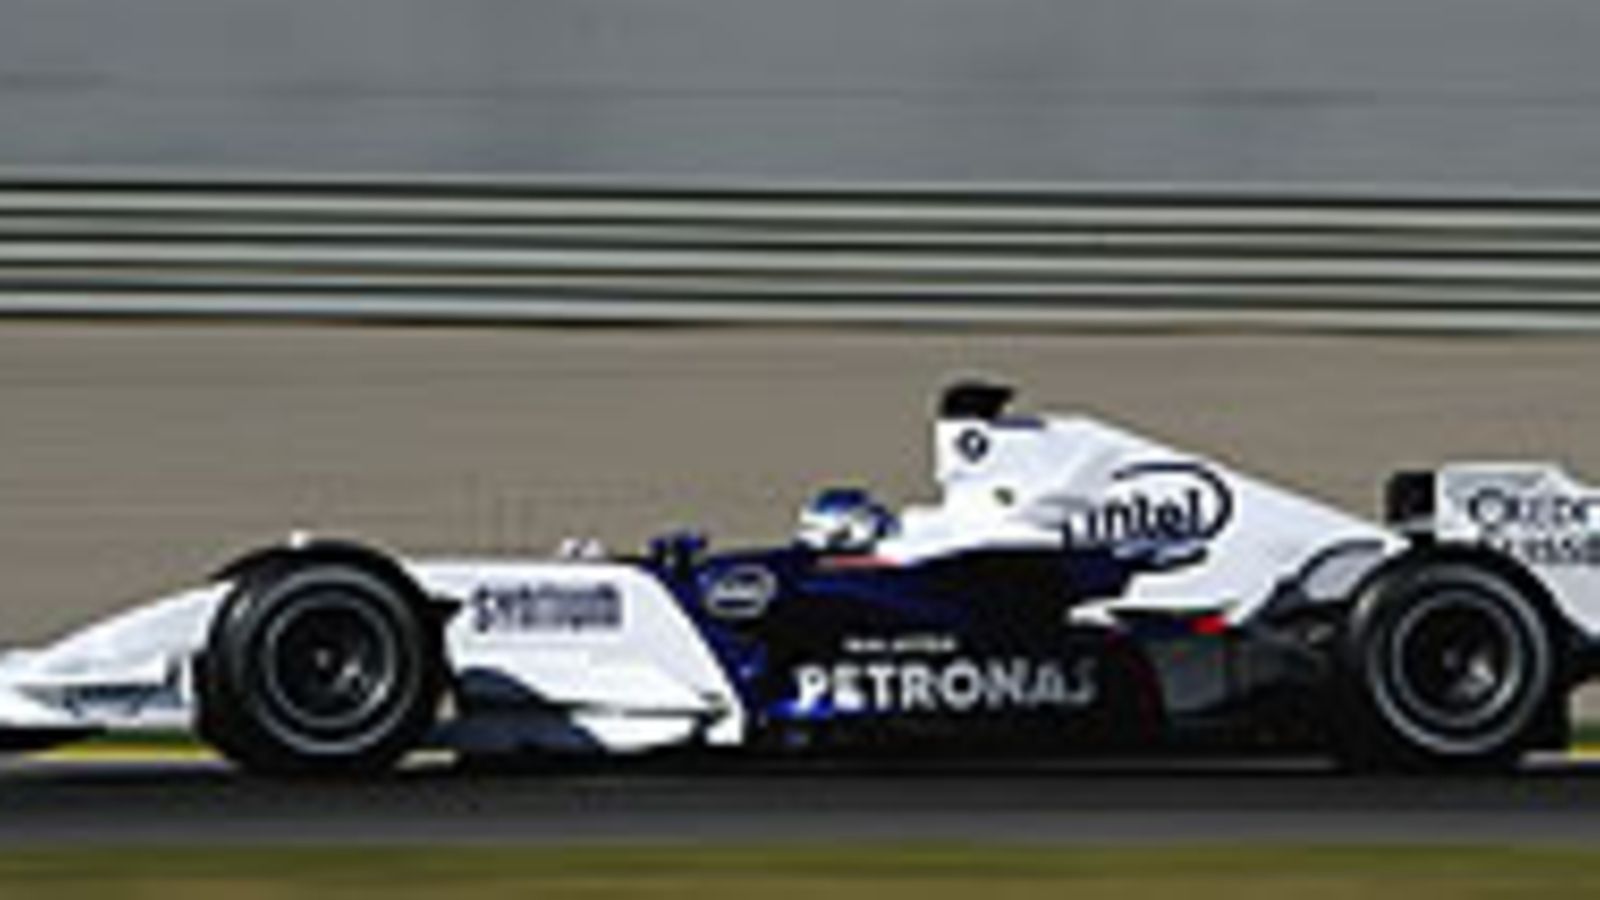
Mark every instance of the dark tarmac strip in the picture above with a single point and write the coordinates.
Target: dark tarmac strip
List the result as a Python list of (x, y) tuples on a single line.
[(113, 803)]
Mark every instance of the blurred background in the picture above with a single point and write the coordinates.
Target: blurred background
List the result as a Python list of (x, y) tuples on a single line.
[(478, 275), (1467, 93)]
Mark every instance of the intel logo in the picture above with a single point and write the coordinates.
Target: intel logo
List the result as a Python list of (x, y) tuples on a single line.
[(1154, 502)]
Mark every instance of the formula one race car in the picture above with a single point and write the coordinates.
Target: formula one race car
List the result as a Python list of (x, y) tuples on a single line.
[(1075, 586)]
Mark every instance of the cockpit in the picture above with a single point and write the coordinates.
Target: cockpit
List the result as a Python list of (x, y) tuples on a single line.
[(844, 520), (986, 465)]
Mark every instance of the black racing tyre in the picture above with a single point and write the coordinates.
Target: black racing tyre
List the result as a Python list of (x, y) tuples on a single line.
[(1444, 665), (315, 667)]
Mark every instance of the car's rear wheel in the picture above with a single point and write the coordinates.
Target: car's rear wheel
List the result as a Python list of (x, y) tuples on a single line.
[(1446, 664), (319, 667)]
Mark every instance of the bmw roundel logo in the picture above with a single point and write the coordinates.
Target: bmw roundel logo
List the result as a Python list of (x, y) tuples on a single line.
[(973, 445), (743, 592)]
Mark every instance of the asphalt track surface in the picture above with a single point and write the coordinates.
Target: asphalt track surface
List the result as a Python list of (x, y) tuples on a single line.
[(648, 803), (133, 458)]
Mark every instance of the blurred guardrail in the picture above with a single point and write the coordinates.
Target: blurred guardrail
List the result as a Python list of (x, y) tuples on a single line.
[(467, 249)]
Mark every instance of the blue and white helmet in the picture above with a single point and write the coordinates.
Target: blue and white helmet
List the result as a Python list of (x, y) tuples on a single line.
[(843, 520)]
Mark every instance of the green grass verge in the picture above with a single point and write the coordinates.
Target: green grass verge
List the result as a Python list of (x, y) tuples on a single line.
[(165, 740), (911, 872), (1586, 734)]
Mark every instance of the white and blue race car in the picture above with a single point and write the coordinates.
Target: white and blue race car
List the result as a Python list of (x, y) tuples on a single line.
[(1075, 586)]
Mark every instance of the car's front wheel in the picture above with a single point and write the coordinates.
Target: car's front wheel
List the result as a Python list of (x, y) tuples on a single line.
[(1445, 664), (318, 667)]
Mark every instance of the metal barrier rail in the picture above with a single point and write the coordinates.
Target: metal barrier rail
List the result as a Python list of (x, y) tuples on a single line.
[(529, 249)]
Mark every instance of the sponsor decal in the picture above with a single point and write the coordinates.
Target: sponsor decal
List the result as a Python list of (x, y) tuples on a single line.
[(1154, 502), (1553, 550), (1542, 529), (545, 606), (128, 699), (1495, 508), (958, 685), (914, 642), (743, 592)]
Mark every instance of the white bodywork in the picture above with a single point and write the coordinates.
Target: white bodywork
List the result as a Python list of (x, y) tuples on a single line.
[(641, 679), (640, 674), (130, 671), (1050, 481)]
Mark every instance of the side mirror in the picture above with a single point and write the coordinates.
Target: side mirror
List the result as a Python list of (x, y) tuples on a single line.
[(678, 552)]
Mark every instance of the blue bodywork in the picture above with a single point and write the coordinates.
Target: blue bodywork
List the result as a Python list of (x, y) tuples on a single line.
[(832, 608)]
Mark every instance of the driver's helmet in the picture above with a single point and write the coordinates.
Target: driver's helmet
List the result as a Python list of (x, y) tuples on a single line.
[(843, 520)]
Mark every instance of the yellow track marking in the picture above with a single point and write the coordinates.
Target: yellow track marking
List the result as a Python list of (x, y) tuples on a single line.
[(113, 753)]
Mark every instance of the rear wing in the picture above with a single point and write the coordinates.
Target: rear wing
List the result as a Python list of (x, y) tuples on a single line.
[(1534, 512)]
